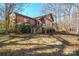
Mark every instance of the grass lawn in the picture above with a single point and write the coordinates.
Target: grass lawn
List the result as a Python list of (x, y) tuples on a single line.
[(39, 44)]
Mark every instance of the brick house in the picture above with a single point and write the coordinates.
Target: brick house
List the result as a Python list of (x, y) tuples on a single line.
[(36, 24), (17, 18), (45, 21)]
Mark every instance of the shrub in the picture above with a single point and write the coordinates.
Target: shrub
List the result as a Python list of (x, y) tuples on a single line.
[(26, 28), (18, 28)]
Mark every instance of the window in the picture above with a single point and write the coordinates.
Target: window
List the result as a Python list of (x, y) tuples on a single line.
[(25, 20)]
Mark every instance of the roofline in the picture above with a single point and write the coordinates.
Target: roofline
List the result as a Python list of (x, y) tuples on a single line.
[(23, 15), (35, 17), (44, 15)]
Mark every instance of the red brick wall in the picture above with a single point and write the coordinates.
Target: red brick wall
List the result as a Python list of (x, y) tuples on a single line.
[(19, 19), (32, 22)]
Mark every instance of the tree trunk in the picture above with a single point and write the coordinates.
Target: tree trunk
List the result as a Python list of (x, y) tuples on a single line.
[(7, 24)]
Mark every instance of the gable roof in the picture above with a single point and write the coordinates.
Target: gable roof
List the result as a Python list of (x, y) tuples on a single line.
[(24, 16), (37, 18), (42, 17)]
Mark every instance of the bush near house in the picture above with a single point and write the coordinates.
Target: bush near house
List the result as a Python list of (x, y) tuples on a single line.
[(23, 28), (26, 28), (18, 28)]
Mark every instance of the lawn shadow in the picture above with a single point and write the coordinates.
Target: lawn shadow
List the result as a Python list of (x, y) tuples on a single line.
[(29, 52), (67, 34), (12, 37)]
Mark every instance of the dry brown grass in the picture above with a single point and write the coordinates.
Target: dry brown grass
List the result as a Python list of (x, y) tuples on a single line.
[(39, 45)]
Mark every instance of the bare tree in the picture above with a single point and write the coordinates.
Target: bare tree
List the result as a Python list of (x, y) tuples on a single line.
[(7, 8), (67, 13), (59, 11), (54, 9), (76, 20), (50, 8)]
